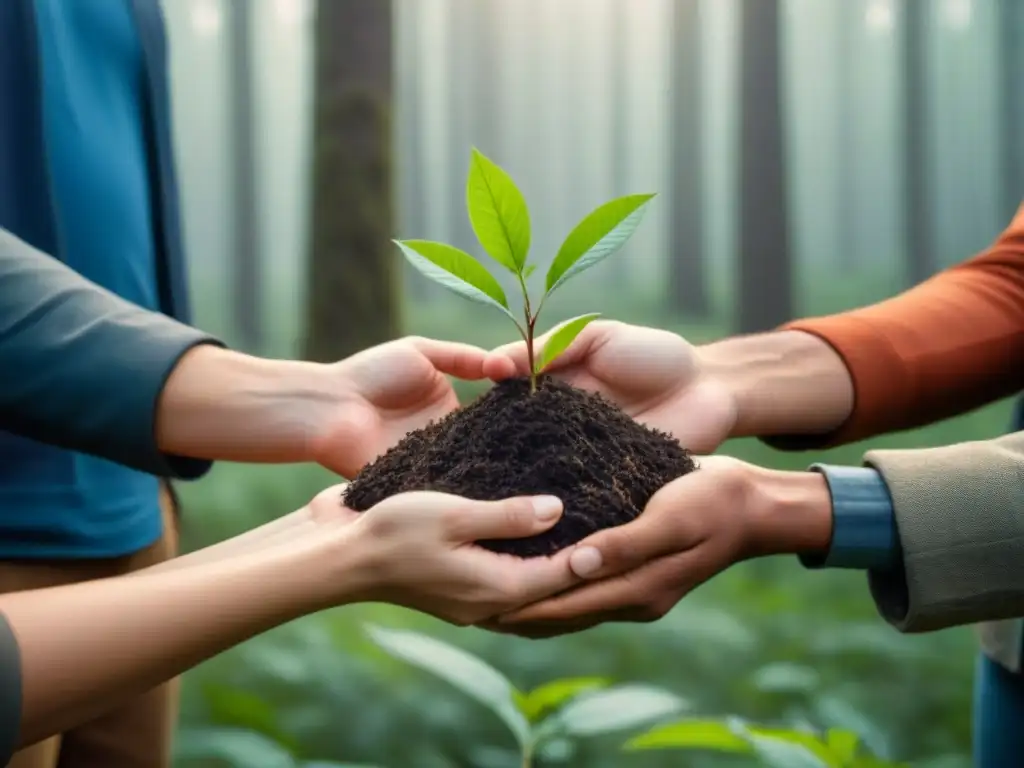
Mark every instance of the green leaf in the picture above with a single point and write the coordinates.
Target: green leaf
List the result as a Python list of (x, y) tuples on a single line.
[(528, 270), (597, 237), (233, 747), (245, 710), (548, 697), (613, 709), (843, 744), (777, 746), (785, 750), (712, 735), (560, 338), (498, 213), (472, 676), (456, 270)]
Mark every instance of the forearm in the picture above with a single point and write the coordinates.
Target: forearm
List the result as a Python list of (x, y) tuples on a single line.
[(219, 404), (84, 368), (283, 530), (938, 530), (782, 383), (942, 348), (87, 647)]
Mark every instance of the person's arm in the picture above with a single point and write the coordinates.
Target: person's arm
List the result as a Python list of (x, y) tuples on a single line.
[(85, 370), (68, 653), (938, 530), (82, 368), (945, 347)]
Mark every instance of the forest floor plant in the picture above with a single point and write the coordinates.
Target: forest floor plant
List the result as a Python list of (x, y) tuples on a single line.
[(550, 720), (532, 434)]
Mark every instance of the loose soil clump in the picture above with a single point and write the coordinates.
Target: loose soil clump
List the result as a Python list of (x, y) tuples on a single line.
[(559, 440)]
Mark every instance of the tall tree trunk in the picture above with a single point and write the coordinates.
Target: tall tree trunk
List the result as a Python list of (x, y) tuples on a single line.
[(686, 284), (847, 19), (353, 295), (462, 110), (765, 283), (620, 154), (410, 180), (246, 299), (1011, 64), (917, 208)]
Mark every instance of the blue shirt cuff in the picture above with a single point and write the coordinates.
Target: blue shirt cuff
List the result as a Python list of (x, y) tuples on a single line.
[(864, 532)]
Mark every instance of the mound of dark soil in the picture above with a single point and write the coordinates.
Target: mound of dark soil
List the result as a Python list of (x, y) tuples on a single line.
[(560, 440)]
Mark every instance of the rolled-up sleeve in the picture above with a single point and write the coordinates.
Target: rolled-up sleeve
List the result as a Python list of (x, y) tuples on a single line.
[(80, 367), (944, 347), (960, 519), (10, 691)]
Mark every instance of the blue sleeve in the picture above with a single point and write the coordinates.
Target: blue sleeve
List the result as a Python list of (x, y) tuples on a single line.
[(81, 368), (864, 534)]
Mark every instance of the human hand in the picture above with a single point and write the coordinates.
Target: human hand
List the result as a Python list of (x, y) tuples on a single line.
[(692, 529), (655, 376), (387, 391), (219, 404), (417, 550)]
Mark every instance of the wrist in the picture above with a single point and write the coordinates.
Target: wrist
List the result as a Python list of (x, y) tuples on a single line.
[(219, 404), (788, 513), (342, 565), (779, 383)]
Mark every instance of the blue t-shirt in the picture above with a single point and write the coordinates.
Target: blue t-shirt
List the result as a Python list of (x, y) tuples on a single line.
[(56, 503)]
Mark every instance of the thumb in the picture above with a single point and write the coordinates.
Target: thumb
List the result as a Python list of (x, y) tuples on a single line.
[(623, 548), (507, 361), (506, 519)]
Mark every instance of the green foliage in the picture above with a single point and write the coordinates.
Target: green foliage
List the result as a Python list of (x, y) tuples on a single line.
[(498, 213), (501, 220), (775, 747), (457, 271), (598, 236), (560, 339), (563, 709)]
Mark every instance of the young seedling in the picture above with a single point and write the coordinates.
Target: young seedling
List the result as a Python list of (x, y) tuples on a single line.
[(501, 221)]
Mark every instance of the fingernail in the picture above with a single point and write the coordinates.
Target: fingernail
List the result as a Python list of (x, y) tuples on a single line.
[(585, 561), (547, 508)]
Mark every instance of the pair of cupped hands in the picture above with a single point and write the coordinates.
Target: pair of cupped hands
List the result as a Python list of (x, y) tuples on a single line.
[(423, 542)]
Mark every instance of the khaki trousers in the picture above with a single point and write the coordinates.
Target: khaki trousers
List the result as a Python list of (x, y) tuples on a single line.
[(139, 733)]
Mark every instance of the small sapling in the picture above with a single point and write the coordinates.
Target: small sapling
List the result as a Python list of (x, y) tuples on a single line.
[(501, 220)]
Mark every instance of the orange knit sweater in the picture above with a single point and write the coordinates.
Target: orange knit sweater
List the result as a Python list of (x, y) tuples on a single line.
[(944, 347)]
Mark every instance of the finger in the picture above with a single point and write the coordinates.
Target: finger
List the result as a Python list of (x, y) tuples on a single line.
[(514, 518), (627, 595), (626, 547), (464, 361), (536, 578), (507, 361), (500, 365)]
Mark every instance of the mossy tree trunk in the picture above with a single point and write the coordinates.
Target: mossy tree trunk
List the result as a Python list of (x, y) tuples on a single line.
[(619, 59), (247, 281), (687, 283), (462, 113), (917, 210), (847, 18), (765, 269), (1011, 64), (353, 270)]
